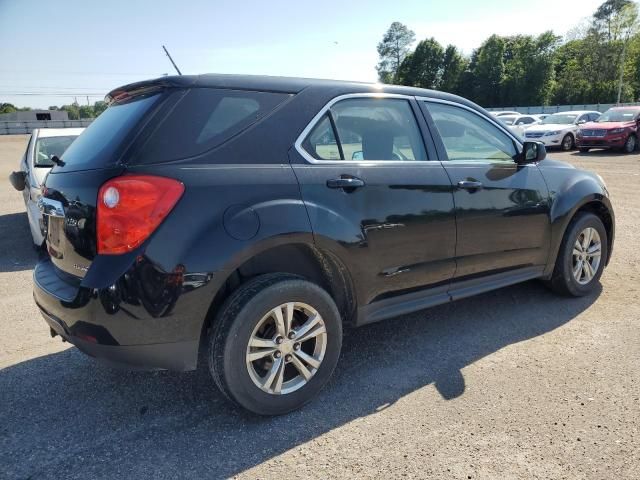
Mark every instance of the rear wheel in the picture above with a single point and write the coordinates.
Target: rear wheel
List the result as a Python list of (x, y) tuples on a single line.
[(630, 144), (581, 257), (567, 143), (275, 343)]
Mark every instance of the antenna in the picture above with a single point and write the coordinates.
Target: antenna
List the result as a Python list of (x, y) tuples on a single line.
[(171, 59)]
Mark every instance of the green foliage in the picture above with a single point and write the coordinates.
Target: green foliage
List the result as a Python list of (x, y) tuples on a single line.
[(423, 68), (528, 70), (7, 108), (392, 50)]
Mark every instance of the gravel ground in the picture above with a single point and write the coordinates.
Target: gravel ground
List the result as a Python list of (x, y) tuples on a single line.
[(513, 384)]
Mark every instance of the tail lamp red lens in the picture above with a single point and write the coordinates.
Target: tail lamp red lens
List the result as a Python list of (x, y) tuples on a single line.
[(130, 208)]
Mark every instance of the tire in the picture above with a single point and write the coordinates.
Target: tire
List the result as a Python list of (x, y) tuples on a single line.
[(246, 315), (567, 143), (630, 145), (584, 150), (563, 280)]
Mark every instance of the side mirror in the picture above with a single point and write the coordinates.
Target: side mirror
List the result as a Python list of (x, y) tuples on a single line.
[(359, 155), (18, 180), (532, 152), (582, 122)]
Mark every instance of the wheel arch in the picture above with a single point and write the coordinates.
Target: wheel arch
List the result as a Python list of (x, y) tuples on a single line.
[(297, 258), (595, 203)]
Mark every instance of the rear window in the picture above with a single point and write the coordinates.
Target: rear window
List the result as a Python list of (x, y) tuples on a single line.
[(98, 146), (204, 119)]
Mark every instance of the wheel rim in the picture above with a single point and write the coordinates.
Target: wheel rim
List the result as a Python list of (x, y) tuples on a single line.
[(587, 251), (286, 348), (567, 143)]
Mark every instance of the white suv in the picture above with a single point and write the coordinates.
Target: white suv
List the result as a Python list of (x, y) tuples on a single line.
[(560, 129)]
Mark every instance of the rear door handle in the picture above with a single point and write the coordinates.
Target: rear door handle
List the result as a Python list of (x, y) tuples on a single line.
[(345, 182), (470, 185)]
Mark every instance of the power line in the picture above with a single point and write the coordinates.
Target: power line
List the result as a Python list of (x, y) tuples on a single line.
[(54, 94)]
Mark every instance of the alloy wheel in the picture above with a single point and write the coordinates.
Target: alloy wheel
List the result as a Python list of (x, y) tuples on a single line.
[(567, 143), (630, 145), (586, 255), (286, 348)]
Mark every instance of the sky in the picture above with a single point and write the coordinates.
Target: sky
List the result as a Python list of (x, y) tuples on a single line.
[(52, 52)]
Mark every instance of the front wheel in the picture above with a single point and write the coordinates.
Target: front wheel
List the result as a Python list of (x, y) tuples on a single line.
[(630, 144), (275, 343), (567, 143), (582, 256)]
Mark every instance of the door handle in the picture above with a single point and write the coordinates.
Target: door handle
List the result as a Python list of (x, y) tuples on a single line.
[(470, 185), (345, 182)]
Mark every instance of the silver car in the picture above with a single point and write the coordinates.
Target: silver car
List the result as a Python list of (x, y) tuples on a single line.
[(45, 143)]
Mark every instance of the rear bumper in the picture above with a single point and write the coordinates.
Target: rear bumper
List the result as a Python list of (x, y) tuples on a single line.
[(169, 356), (127, 323)]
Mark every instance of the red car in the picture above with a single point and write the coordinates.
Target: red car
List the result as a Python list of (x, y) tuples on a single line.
[(618, 127)]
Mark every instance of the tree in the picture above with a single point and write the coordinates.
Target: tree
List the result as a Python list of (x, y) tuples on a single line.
[(489, 72), (453, 66), (605, 19), (423, 68), (626, 25), (7, 108), (99, 107), (392, 51)]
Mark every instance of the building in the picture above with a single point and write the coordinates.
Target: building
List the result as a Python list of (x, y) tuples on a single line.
[(34, 115)]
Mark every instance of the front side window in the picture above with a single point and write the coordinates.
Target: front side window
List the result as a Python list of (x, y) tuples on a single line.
[(469, 137), (367, 129)]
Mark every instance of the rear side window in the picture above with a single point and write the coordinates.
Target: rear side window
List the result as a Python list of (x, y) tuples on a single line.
[(98, 145), (204, 119)]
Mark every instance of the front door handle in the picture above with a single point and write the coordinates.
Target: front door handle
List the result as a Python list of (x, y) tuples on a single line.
[(470, 185), (345, 182)]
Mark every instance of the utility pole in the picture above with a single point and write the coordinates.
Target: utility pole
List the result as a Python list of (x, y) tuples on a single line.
[(171, 59), (621, 79)]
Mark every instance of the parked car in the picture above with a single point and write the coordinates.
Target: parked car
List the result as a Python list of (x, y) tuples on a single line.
[(519, 123), (36, 162), (504, 112), (560, 129), (617, 128), (260, 216)]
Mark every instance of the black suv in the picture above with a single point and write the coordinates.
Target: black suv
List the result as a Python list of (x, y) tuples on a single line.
[(259, 216)]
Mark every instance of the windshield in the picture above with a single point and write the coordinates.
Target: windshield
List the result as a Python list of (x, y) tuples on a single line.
[(98, 145), (560, 119), (619, 115), (47, 147), (507, 120)]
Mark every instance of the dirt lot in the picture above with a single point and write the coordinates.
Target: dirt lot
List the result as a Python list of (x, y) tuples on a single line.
[(512, 384)]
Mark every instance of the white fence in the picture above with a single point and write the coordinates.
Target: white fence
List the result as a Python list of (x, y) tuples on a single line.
[(599, 107), (13, 128)]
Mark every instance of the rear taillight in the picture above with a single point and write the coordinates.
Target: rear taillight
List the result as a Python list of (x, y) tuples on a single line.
[(130, 208)]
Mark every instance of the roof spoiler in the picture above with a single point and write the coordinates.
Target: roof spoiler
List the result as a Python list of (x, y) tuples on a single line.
[(147, 86)]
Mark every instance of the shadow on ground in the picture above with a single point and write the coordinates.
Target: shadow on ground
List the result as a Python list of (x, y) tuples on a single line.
[(16, 246), (65, 413)]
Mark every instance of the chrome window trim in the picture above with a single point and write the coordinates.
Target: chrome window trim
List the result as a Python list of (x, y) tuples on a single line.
[(307, 156), (500, 126)]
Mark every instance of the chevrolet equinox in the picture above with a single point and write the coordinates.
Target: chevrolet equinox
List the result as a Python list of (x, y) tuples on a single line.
[(256, 217)]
